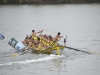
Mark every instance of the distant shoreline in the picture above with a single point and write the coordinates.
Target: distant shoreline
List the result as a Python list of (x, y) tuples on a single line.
[(48, 1)]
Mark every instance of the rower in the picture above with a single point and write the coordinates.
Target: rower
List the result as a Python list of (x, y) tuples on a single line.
[(26, 41), (57, 37), (31, 42), (34, 34), (54, 43)]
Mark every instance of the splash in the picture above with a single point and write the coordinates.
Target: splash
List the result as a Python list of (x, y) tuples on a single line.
[(34, 60)]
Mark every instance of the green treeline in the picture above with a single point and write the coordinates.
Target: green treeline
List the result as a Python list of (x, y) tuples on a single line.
[(47, 1)]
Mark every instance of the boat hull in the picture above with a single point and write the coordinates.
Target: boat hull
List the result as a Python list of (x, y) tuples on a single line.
[(56, 50)]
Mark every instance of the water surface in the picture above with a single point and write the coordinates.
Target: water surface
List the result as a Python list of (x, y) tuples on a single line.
[(81, 24)]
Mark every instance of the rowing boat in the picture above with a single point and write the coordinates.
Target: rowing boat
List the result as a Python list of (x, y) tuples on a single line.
[(19, 46), (54, 50)]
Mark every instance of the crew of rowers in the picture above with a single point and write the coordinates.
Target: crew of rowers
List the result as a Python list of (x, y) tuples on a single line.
[(41, 42)]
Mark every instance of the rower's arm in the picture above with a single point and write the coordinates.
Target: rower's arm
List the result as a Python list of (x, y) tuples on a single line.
[(60, 36), (40, 31)]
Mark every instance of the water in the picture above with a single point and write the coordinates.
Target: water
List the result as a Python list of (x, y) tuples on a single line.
[(81, 24)]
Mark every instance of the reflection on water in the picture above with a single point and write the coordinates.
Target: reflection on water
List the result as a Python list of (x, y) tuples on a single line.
[(57, 66), (81, 24)]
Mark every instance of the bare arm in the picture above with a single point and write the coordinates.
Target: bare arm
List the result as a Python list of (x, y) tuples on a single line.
[(39, 32)]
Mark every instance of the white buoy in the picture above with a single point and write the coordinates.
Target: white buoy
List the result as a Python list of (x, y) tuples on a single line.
[(15, 44)]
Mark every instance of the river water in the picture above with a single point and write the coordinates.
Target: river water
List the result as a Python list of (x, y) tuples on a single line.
[(81, 24)]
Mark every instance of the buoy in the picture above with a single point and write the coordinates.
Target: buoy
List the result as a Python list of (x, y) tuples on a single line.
[(15, 44), (2, 36)]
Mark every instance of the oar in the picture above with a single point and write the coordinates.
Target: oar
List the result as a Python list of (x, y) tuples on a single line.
[(77, 49), (18, 53), (74, 48)]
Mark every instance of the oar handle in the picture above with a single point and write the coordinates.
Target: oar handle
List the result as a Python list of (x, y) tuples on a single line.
[(64, 40)]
